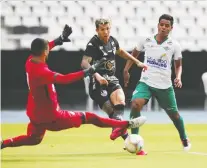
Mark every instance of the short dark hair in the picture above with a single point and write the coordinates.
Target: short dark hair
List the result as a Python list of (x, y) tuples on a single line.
[(102, 21), (167, 17), (38, 46)]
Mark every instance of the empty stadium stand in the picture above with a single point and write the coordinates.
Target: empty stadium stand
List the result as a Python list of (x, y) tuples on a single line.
[(22, 21)]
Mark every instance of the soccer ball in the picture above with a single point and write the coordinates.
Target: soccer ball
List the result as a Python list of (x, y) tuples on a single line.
[(134, 143)]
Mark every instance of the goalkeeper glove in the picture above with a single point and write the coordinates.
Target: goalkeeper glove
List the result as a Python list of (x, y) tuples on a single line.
[(96, 67), (64, 36)]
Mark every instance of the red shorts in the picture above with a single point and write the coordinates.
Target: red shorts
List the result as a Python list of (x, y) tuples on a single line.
[(65, 120)]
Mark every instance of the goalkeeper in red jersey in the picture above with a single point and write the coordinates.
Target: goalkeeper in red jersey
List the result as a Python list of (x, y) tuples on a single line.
[(43, 109)]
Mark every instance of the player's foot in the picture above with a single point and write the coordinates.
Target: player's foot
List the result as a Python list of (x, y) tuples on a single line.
[(186, 144), (1, 143), (117, 132), (142, 152), (133, 123), (137, 122)]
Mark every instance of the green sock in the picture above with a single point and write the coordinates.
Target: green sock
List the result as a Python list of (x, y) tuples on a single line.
[(179, 124), (134, 114)]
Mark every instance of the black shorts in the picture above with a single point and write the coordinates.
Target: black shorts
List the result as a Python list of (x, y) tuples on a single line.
[(101, 94)]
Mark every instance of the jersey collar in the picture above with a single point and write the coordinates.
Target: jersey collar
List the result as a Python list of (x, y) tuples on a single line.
[(162, 41)]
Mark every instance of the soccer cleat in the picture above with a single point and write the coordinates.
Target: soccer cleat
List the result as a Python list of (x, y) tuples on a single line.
[(117, 132), (137, 122), (186, 144), (142, 152)]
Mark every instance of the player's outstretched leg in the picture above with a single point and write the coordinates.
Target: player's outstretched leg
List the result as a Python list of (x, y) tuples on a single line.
[(94, 119), (34, 137), (22, 140)]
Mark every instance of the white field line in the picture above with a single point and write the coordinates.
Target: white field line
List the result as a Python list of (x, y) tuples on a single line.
[(192, 153)]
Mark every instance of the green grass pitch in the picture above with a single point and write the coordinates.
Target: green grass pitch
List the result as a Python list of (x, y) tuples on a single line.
[(90, 147)]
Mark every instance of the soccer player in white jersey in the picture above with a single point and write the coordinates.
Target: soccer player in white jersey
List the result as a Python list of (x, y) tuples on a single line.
[(159, 51)]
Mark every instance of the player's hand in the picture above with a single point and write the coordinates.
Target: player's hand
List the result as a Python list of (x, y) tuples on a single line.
[(66, 33), (95, 67), (178, 82), (126, 78), (142, 65), (64, 36)]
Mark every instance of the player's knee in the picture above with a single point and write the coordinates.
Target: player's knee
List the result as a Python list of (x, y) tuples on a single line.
[(136, 105), (35, 140), (174, 116)]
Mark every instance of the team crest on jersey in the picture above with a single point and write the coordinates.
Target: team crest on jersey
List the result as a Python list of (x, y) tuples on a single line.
[(109, 65), (148, 40), (166, 48), (104, 93)]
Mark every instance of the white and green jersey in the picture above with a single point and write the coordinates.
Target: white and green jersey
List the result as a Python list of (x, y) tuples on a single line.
[(158, 57)]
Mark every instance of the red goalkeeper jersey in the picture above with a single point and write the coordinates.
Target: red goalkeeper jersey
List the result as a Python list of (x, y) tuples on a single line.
[(42, 104)]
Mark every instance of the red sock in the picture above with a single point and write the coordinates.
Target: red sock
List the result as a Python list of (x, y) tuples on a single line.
[(94, 119), (20, 141)]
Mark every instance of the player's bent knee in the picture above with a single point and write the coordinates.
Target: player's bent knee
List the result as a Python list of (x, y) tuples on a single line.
[(174, 115), (136, 105), (35, 140)]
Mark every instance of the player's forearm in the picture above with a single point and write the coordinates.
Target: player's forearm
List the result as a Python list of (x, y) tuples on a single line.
[(69, 78), (124, 54), (178, 68), (129, 63), (178, 71), (85, 64)]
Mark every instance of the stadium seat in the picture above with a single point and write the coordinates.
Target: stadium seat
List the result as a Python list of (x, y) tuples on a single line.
[(130, 12), (178, 11), (96, 12), (75, 11), (6, 10), (12, 21), (57, 11), (48, 20), (40, 10), (130, 19), (33, 3), (187, 21), (30, 21), (22, 10), (202, 44), (65, 20), (201, 21), (109, 11), (178, 32)]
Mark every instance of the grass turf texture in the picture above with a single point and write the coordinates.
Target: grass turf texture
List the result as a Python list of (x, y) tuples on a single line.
[(90, 147)]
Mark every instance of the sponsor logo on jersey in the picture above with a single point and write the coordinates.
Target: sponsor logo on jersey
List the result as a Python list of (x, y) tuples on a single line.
[(169, 43), (163, 55), (158, 63)]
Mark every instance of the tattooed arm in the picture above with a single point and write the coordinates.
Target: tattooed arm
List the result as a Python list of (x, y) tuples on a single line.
[(86, 64)]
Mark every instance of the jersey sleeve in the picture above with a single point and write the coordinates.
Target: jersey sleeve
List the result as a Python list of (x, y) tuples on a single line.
[(140, 44), (177, 52), (116, 43), (51, 45), (90, 50), (45, 76)]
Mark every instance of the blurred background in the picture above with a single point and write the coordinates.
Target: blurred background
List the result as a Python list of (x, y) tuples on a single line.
[(22, 21)]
